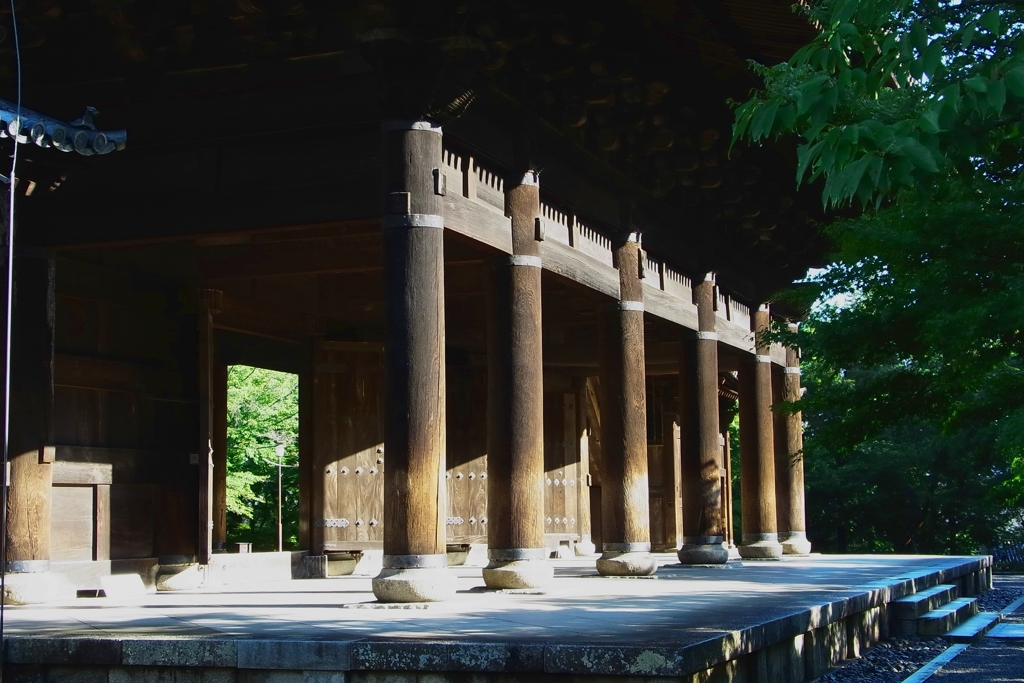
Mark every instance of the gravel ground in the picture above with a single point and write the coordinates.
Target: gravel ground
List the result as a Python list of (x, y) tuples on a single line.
[(895, 659)]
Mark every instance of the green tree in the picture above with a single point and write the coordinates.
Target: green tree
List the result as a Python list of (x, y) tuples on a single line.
[(263, 411), (895, 95), (912, 110)]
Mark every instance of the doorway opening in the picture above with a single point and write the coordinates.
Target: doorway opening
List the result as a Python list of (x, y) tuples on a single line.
[(262, 458)]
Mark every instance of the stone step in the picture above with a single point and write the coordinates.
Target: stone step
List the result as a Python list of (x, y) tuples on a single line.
[(974, 628), (947, 617), (922, 602)]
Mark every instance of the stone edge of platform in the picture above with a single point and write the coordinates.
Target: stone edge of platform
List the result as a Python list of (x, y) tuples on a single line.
[(379, 654)]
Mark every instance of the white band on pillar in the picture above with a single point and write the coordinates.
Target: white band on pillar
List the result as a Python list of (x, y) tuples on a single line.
[(531, 178), (631, 306), (413, 220), (792, 371), (523, 260), (411, 124), (763, 359), (708, 335), (633, 237)]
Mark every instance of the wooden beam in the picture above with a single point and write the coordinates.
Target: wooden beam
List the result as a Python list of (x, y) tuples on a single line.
[(83, 473)]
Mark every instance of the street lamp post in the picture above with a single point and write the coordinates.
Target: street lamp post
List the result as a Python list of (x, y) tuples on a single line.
[(280, 528)]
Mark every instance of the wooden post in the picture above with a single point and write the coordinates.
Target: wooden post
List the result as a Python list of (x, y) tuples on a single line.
[(701, 455), (673, 477), (415, 558), (306, 456), (515, 403), (30, 438), (220, 457), (757, 458), (625, 515), (781, 449), (209, 304), (795, 542), (585, 546)]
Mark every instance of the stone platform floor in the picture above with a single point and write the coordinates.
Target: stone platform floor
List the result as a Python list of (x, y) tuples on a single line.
[(678, 608)]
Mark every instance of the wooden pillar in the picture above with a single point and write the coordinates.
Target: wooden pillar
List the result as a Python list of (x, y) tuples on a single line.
[(209, 304), (672, 477), (585, 546), (515, 403), (781, 449), (757, 452), (306, 447), (31, 434), (701, 455), (220, 458), (625, 515), (415, 556), (795, 541)]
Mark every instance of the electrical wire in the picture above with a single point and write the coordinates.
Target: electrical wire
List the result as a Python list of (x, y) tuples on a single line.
[(10, 310)]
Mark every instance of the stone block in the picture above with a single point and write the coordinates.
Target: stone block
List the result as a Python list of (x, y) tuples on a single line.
[(615, 661), (382, 677), (496, 657), (265, 676), (184, 652), (862, 631), (141, 674), (823, 648), (784, 661), (399, 656), (204, 675), (298, 655), (324, 677), (36, 587), (96, 651), (24, 673), (77, 674)]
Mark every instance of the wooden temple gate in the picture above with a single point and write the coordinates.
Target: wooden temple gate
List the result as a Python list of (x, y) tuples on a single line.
[(518, 271)]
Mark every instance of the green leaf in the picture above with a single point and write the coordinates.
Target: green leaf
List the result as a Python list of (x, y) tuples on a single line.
[(929, 121), (845, 12), (918, 154), (947, 117), (976, 84), (997, 96), (1015, 81), (919, 36), (991, 20), (967, 35), (764, 117), (932, 58)]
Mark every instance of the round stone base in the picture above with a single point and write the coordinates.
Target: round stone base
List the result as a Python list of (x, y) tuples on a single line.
[(417, 584), (713, 553), (761, 550), (518, 574), (35, 587), (613, 563), (585, 547), (179, 577), (796, 544)]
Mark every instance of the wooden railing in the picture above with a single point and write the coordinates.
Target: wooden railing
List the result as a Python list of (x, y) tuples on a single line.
[(577, 248)]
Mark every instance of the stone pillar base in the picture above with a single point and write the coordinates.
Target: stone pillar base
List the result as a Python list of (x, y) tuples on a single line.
[(585, 546), (796, 543), (703, 550), (626, 563), (179, 577), (760, 547), (35, 587), (430, 581), (518, 574)]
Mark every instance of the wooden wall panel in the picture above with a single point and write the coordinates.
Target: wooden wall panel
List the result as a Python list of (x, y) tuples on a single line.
[(348, 435), (561, 505), (466, 454), (131, 520), (71, 535)]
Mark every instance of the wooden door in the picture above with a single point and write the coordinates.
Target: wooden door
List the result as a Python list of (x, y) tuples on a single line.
[(466, 454), (348, 450)]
